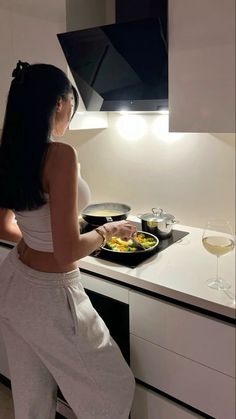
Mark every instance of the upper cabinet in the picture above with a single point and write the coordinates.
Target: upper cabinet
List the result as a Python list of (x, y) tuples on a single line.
[(202, 65)]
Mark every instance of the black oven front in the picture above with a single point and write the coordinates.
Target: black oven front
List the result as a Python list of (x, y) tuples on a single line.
[(116, 316)]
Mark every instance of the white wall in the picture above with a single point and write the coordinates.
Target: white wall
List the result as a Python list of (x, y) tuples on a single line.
[(189, 175), (28, 32)]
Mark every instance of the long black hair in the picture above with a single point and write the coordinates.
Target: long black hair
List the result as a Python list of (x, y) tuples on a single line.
[(27, 127)]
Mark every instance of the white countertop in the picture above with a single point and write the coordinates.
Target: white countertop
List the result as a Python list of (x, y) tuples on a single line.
[(179, 272)]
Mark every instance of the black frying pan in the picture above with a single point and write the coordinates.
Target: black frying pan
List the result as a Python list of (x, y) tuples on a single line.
[(130, 258), (98, 214)]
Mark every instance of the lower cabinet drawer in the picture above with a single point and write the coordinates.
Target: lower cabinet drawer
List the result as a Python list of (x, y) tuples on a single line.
[(197, 385), (149, 405), (195, 336)]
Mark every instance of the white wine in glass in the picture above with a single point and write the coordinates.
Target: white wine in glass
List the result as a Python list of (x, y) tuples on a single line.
[(217, 238)]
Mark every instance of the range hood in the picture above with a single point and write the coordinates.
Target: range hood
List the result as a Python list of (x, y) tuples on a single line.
[(120, 67)]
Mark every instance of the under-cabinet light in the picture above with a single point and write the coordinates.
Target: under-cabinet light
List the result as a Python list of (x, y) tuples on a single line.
[(131, 127), (160, 128)]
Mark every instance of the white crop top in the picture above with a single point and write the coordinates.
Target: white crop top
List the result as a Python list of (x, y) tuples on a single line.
[(35, 225)]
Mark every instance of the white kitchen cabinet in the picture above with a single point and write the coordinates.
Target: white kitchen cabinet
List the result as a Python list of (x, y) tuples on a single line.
[(201, 387), (200, 338), (187, 355), (149, 405), (202, 65)]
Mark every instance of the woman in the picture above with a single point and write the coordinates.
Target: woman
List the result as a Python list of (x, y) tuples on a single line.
[(52, 333)]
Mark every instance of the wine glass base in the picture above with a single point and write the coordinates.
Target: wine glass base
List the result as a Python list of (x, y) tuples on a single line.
[(217, 284), (231, 295)]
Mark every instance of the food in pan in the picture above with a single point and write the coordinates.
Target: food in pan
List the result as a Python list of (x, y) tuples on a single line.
[(118, 245), (104, 213)]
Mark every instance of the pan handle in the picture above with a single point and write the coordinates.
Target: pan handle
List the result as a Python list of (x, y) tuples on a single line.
[(109, 219)]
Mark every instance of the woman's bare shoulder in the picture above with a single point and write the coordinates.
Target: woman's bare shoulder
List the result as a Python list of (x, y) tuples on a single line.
[(61, 158), (61, 154), (61, 150)]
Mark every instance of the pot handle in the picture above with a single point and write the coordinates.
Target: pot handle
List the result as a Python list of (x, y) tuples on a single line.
[(157, 211), (174, 221)]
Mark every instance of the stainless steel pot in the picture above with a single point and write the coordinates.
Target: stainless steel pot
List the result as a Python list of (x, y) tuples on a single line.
[(158, 222), (98, 214)]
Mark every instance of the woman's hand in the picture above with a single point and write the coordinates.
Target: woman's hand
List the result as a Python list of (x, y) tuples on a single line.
[(123, 229)]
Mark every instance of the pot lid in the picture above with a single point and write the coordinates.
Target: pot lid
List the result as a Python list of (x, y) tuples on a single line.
[(157, 214)]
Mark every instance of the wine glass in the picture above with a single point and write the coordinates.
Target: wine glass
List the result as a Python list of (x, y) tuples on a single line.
[(218, 239), (232, 298)]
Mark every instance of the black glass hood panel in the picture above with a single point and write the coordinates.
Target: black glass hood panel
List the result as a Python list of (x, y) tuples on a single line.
[(119, 66)]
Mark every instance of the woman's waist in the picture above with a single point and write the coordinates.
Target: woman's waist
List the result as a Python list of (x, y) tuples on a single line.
[(42, 261)]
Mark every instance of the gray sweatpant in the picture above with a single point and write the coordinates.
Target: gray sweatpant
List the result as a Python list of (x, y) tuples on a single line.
[(53, 335)]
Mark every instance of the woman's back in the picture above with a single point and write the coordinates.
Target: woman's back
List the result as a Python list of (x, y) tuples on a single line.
[(35, 225), (36, 249)]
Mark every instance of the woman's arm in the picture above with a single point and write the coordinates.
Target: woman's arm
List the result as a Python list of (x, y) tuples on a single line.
[(69, 245), (8, 229)]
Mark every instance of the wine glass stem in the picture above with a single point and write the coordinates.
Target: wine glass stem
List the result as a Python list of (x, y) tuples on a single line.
[(218, 280)]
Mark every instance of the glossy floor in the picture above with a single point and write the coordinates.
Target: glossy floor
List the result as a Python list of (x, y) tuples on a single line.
[(6, 404)]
